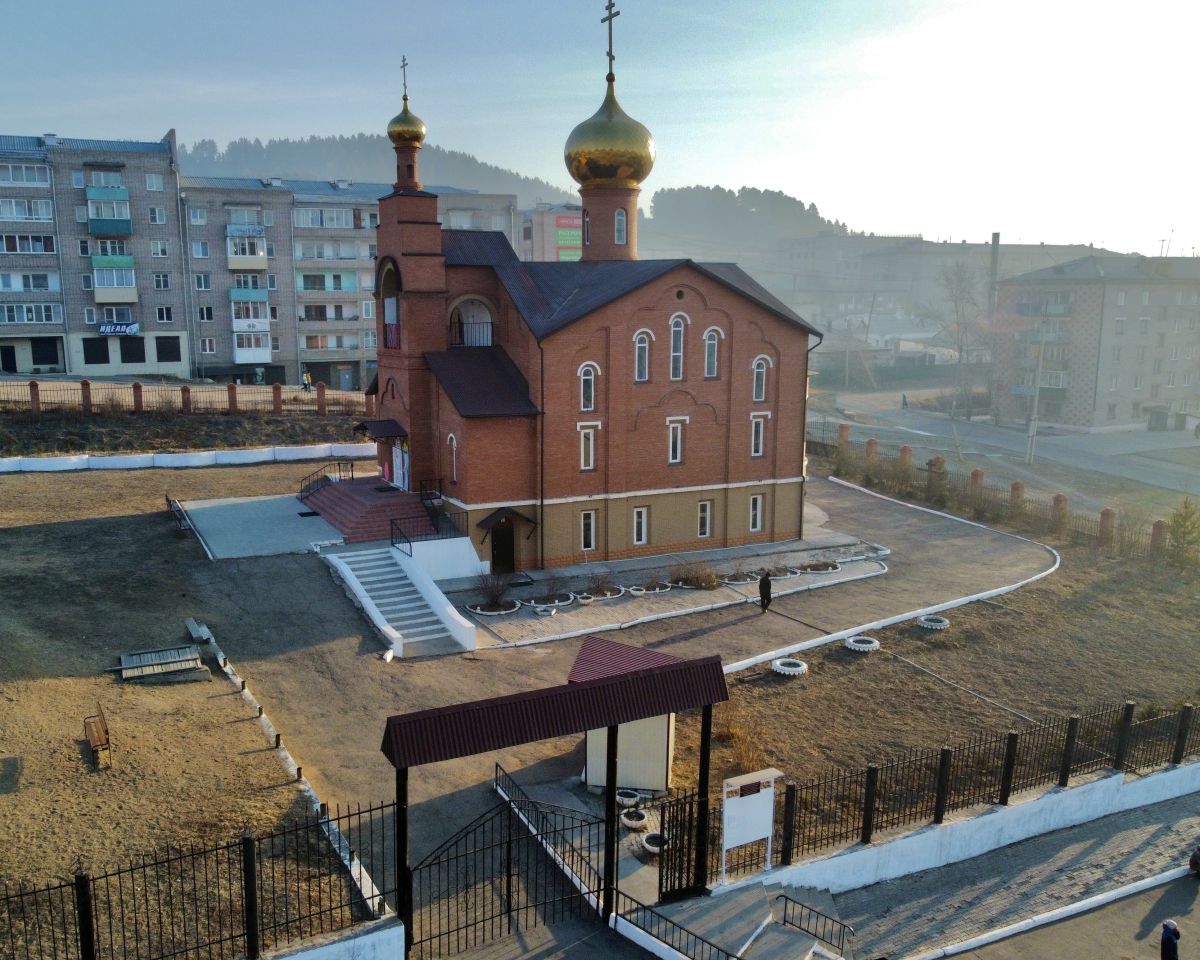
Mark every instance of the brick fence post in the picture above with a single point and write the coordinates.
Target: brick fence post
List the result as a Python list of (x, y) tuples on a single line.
[(35, 398), (137, 397), (369, 407), (1158, 538), (872, 452), (1016, 496), (85, 396), (906, 457), (977, 482), (843, 437), (321, 400), (1108, 526), (185, 399), (231, 392), (277, 398)]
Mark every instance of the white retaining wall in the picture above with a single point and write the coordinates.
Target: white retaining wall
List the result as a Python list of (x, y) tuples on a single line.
[(197, 458), (458, 626), (936, 846), (381, 941)]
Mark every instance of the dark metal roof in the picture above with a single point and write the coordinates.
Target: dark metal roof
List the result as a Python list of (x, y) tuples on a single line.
[(464, 729), (599, 657), (380, 429), (504, 513), (482, 382), (551, 296)]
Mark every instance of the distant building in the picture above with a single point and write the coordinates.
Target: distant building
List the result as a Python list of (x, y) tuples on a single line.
[(1103, 343), (111, 263), (552, 232)]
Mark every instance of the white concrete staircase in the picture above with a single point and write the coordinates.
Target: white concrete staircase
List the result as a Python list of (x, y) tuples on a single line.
[(383, 581)]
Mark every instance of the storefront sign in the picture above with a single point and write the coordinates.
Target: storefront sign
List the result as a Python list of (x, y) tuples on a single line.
[(116, 329)]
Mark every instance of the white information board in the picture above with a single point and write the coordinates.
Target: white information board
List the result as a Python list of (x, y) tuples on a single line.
[(748, 811)]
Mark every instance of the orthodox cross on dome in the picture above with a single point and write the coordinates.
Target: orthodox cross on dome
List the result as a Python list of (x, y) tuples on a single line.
[(404, 72), (613, 13)]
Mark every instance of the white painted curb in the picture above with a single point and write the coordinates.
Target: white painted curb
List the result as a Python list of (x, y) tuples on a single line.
[(912, 614), (1053, 916), (192, 458)]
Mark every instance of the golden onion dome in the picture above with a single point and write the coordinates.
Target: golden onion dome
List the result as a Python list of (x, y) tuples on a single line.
[(406, 127), (610, 148)]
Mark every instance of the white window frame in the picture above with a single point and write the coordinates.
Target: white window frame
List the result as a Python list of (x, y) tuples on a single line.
[(159, 245), (452, 443), (641, 526), (712, 352), (204, 314), (203, 281), (155, 182), (208, 346), (756, 513), (675, 439), (157, 215), (704, 519), (200, 250), (164, 315), (368, 309), (587, 386), (89, 314), (678, 322), (620, 227), (758, 434), (162, 280), (758, 367), (641, 356), (587, 445), (108, 209), (587, 530), (198, 216)]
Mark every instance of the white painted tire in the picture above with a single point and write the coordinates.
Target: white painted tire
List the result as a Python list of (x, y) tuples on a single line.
[(655, 848), (583, 599), (861, 644), (789, 667), (636, 820), (932, 622), (545, 611), (636, 591), (627, 798)]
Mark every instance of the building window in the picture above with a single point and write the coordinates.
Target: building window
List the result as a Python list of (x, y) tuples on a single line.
[(711, 339), (760, 379), (110, 210), (758, 429), (107, 178), (198, 215), (272, 281), (587, 387), (756, 513), (166, 350), (85, 248), (23, 174), (1112, 411), (208, 345), (89, 314), (204, 281), (114, 277), (587, 530), (81, 213), (1112, 384), (158, 248), (452, 444), (641, 357), (587, 448), (26, 210), (95, 350), (87, 282), (162, 281), (368, 309), (370, 339), (244, 216), (76, 178), (704, 519), (641, 526), (165, 315), (1120, 298), (587, 228), (620, 228), (204, 314), (274, 343), (30, 313), (1137, 381), (26, 243), (677, 348), (675, 441), (133, 349), (268, 218), (154, 182), (200, 249), (158, 214), (1145, 298), (112, 248), (1116, 354)]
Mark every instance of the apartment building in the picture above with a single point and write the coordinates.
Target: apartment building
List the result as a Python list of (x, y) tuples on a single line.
[(1102, 343), (551, 232)]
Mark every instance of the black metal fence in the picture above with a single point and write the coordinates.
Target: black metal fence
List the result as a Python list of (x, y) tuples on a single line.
[(218, 902)]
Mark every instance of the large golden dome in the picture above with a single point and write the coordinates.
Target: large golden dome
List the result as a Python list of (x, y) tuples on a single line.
[(406, 127), (610, 148)]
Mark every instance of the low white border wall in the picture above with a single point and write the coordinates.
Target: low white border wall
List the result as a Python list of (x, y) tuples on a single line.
[(384, 940), (458, 626), (195, 458), (936, 846), (388, 633)]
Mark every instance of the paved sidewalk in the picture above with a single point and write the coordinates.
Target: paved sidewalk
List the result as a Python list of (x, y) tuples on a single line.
[(936, 908)]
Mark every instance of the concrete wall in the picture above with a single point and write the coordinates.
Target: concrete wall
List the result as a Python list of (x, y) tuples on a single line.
[(383, 940), (644, 752)]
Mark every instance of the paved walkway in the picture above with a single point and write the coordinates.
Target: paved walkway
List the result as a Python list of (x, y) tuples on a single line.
[(936, 908), (257, 526)]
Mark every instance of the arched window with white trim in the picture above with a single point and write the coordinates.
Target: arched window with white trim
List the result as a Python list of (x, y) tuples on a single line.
[(620, 228), (760, 379), (452, 444), (587, 386), (677, 348), (711, 341), (587, 228), (641, 357)]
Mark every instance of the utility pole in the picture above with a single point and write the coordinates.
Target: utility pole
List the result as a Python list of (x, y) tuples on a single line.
[(992, 339), (1031, 439)]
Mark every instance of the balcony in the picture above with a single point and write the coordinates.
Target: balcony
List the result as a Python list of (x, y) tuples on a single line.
[(256, 325), (114, 200), (241, 295), (476, 333), (259, 355), (1048, 334), (1043, 309), (391, 336)]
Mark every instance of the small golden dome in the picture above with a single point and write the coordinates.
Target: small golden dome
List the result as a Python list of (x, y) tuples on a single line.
[(406, 127), (610, 148)]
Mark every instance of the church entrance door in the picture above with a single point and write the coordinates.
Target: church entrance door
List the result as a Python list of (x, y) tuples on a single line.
[(503, 552), (400, 465)]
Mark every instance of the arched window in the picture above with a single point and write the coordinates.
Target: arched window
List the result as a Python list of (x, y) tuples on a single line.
[(710, 353), (471, 324), (452, 443), (641, 357), (677, 348), (619, 227), (587, 228), (760, 379), (587, 386)]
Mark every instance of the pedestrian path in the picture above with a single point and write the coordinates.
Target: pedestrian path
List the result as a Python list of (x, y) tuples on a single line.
[(940, 907)]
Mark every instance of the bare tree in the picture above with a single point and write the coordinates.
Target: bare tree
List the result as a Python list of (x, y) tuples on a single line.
[(963, 325)]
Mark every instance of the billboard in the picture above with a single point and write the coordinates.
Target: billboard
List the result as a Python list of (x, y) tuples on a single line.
[(568, 237)]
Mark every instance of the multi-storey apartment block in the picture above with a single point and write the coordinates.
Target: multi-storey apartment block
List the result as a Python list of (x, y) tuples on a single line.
[(1102, 343)]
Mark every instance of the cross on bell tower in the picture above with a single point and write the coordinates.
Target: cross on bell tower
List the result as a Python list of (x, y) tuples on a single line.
[(613, 13), (404, 74)]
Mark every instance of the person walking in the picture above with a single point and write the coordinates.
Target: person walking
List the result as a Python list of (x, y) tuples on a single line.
[(904, 401), (307, 382), (764, 590), (1169, 946)]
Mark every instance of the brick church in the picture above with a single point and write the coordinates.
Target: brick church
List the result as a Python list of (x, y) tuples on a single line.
[(591, 410)]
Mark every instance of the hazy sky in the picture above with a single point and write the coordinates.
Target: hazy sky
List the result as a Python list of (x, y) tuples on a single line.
[(1054, 120)]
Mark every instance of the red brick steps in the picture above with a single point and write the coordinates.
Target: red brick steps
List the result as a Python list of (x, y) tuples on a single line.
[(362, 513)]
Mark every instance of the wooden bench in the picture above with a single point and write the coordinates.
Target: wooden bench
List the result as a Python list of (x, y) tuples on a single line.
[(95, 729), (177, 514)]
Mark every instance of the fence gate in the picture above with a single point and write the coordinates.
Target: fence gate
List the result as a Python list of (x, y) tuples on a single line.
[(494, 878), (678, 819)]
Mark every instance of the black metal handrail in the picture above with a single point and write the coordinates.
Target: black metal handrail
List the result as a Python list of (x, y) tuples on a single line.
[(815, 923), (327, 473), (431, 488), (665, 930), (398, 537)]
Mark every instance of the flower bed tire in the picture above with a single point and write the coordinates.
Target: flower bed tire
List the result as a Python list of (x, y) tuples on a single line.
[(583, 599), (628, 798), (636, 591), (861, 644), (654, 843), (734, 582), (836, 568), (635, 819), (567, 600), (789, 667), (480, 612), (545, 611), (932, 622)]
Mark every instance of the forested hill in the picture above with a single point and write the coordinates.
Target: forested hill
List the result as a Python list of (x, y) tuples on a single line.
[(363, 157)]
